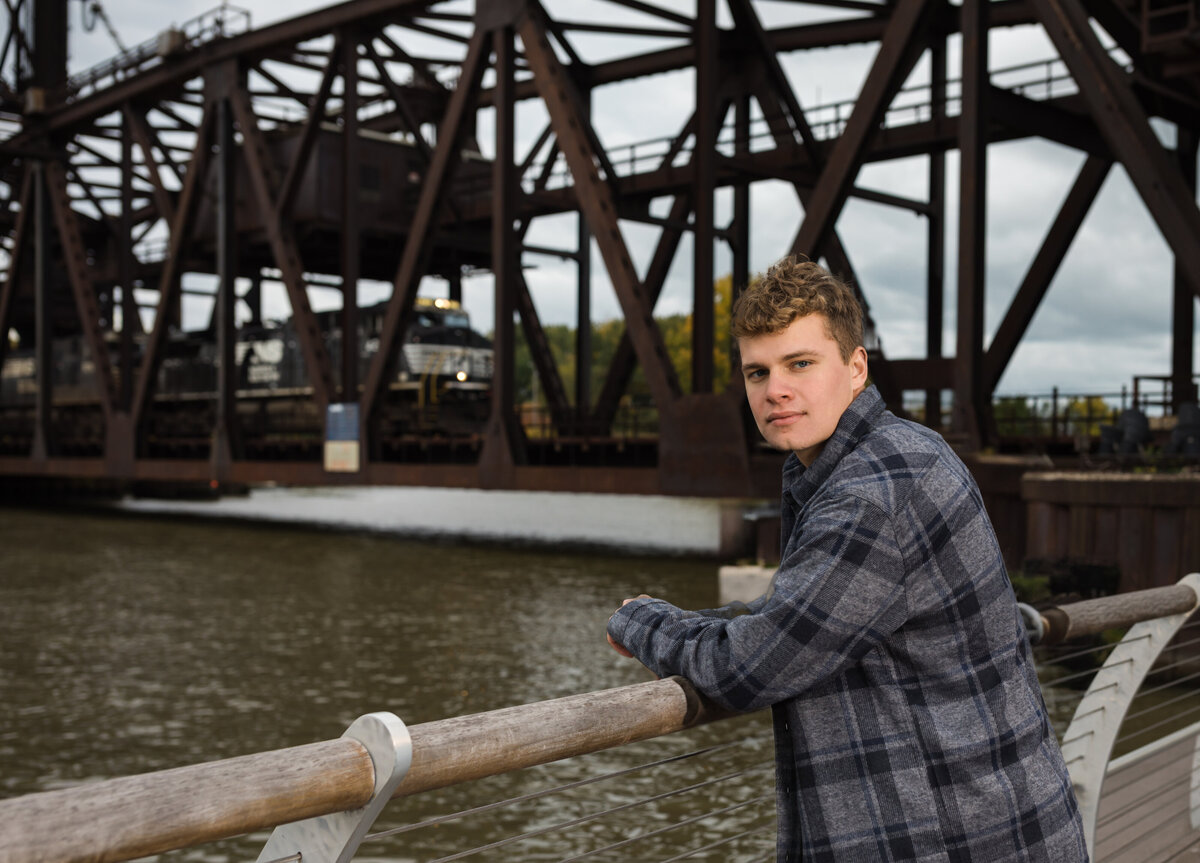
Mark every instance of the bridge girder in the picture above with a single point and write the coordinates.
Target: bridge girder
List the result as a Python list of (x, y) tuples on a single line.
[(246, 152)]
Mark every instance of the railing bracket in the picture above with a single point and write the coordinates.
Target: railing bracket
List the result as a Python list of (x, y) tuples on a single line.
[(335, 838)]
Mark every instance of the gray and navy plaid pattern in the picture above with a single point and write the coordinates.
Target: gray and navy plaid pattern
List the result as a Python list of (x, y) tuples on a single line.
[(909, 724)]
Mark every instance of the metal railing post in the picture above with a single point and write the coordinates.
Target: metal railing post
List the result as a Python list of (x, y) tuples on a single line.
[(1088, 742), (335, 838)]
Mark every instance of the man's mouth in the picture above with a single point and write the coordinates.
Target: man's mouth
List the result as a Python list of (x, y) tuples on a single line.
[(783, 417)]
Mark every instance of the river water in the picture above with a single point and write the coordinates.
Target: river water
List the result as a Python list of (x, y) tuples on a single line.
[(131, 643)]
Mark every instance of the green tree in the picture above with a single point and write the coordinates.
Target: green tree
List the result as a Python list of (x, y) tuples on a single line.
[(1015, 416), (1084, 416), (606, 335)]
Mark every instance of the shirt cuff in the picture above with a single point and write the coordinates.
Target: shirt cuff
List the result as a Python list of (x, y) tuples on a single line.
[(620, 622)]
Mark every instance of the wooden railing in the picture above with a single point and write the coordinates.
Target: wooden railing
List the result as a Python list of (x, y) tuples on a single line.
[(136, 816), (130, 817)]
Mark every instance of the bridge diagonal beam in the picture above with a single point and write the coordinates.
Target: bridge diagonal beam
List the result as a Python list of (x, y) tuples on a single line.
[(398, 97), (787, 106), (598, 203), (1041, 272), (308, 136), (169, 286), (1126, 128), (898, 52), (779, 103), (75, 259), (16, 258), (420, 236), (283, 245), (539, 345), (624, 360), (144, 138)]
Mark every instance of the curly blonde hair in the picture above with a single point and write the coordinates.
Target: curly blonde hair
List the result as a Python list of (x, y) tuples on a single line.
[(794, 288)]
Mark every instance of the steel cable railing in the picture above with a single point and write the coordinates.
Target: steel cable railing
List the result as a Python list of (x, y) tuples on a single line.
[(546, 792), (735, 750)]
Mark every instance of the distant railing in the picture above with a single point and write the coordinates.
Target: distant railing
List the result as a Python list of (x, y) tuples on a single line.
[(326, 795), (219, 23)]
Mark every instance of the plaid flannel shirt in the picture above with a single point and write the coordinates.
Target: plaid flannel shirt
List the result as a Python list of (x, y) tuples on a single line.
[(909, 723)]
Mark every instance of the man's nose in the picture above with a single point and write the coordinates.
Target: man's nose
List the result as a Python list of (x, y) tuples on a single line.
[(777, 389)]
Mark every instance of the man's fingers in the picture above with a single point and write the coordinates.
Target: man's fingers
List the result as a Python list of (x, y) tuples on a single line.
[(618, 648)]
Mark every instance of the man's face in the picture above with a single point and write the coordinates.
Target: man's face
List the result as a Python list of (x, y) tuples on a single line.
[(799, 386)]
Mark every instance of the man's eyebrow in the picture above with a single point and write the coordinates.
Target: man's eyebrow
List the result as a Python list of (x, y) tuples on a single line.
[(804, 353)]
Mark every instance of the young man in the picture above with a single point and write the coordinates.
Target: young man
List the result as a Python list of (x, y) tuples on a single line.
[(909, 724)]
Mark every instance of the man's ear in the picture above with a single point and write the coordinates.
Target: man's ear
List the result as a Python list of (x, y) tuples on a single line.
[(858, 367)]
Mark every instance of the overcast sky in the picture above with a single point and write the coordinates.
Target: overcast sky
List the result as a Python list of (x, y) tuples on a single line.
[(1106, 317)]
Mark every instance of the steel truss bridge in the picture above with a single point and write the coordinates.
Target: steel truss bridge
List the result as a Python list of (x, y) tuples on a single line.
[(343, 145)]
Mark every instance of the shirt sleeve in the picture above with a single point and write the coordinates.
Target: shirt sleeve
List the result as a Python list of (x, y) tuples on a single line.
[(838, 593)]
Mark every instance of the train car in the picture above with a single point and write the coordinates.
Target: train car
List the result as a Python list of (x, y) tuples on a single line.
[(441, 385)]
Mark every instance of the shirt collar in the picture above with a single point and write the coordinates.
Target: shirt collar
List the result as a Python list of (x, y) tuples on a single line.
[(856, 421)]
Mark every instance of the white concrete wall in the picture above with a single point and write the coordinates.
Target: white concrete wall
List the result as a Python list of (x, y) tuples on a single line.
[(654, 523)]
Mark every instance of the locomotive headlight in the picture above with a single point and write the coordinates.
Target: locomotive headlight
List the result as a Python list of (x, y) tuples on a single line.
[(462, 376)]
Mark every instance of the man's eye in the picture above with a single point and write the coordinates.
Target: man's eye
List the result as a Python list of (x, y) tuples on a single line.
[(755, 374), (801, 364)]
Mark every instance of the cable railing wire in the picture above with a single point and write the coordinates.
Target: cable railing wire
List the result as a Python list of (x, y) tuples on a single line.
[(720, 843), (558, 789), (664, 829), (594, 816)]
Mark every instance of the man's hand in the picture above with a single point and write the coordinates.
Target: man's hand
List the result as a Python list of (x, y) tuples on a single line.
[(618, 647)]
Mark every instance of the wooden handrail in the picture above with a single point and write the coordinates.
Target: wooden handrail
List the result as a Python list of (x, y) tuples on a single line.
[(135, 816), (1093, 616)]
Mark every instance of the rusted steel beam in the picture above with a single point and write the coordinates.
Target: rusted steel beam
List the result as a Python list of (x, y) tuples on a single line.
[(935, 234), (422, 227), (282, 239), (597, 201), (543, 357), (16, 257), (704, 158), (1183, 304), (130, 322), (43, 441), (969, 387), (624, 360), (75, 259), (1064, 121), (1041, 272), (168, 77), (308, 136), (1127, 130), (504, 440), (898, 52), (851, 31), (411, 122), (757, 45), (779, 104), (225, 432), (142, 134), (169, 293), (351, 228)]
